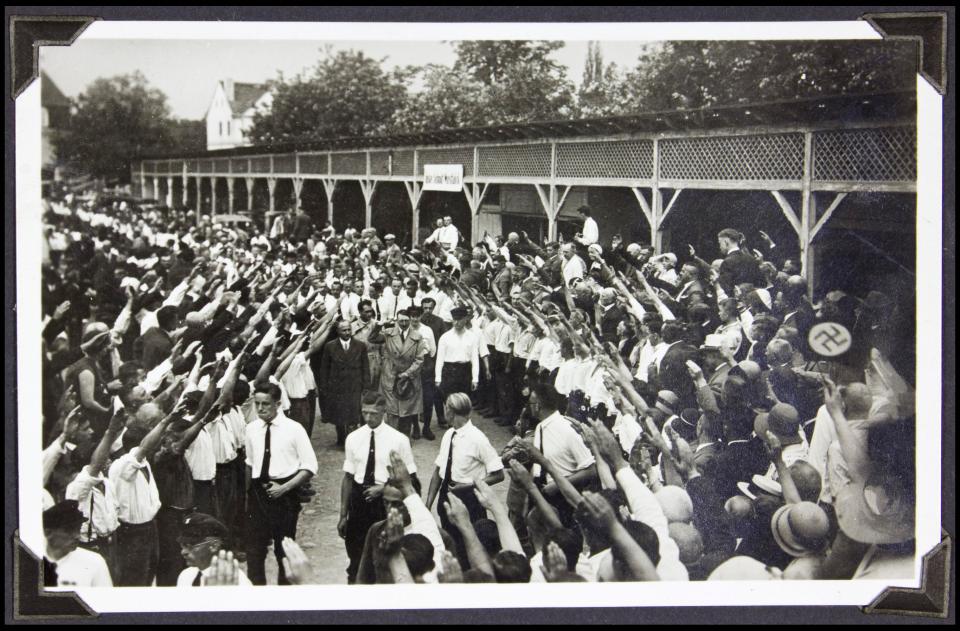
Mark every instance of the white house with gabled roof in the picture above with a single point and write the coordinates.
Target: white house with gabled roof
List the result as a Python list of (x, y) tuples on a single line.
[(230, 114)]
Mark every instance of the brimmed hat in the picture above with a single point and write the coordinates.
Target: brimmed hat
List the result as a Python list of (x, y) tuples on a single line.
[(595, 248), (667, 402), (801, 529), (712, 342), (690, 416), (760, 485), (459, 312), (750, 370), (65, 514), (744, 568), (878, 510), (389, 237), (676, 504), (198, 526), (94, 341)]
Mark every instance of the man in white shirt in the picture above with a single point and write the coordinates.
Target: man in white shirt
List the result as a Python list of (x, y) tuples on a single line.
[(446, 235), (280, 459), (458, 357), (561, 445), (64, 563), (573, 266), (465, 456), (201, 538), (591, 232), (366, 456), (138, 498)]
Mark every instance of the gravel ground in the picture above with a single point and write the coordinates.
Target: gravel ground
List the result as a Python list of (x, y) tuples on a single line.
[(317, 527)]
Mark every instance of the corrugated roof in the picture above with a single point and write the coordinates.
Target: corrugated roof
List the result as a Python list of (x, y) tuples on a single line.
[(245, 95), (50, 94), (853, 108)]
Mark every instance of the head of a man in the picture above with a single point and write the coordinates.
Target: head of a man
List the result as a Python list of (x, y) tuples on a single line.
[(403, 320), (61, 528), (568, 251), (511, 567), (447, 220), (414, 312), (343, 331), (689, 272), (457, 408), (266, 398), (366, 310), (396, 286), (411, 287), (201, 538), (543, 399), (729, 239), (427, 305)]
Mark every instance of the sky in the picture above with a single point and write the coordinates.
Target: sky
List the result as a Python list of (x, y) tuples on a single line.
[(187, 70)]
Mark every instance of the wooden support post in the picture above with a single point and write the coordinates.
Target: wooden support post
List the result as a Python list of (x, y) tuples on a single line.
[(645, 207), (329, 187), (155, 193), (230, 197), (169, 196), (297, 189), (272, 186), (213, 197), (249, 183), (368, 188), (184, 194), (656, 202), (808, 213), (669, 207), (414, 192), (199, 192)]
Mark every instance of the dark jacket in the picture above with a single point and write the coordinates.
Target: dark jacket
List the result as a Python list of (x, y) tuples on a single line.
[(739, 267), (153, 347), (674, 376), (609, 320), (342, 378)]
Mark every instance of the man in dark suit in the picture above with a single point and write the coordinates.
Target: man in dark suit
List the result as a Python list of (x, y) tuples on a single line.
[(155, 344), (432, 399), (611, 313), (344, 374), (672, 373), (738, 266), (302, 226)]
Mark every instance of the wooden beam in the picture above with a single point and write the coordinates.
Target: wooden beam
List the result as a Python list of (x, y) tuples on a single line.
[(788, 211), (644, 205), (563, 198), (544, 199), (826, 215), (673, 199)]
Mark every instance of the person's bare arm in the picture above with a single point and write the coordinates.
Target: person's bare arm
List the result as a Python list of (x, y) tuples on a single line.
[(87, 400), (600, 514), (508, 535), (102, 451), (549, 514), (854, 450), (460, 518)]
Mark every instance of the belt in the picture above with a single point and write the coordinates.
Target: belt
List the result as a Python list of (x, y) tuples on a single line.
[(129, 526), (206, 482), (99, 541), (446, 363)]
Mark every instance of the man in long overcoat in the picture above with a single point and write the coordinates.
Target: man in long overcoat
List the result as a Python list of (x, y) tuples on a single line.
[(403, 353), (344, 374)]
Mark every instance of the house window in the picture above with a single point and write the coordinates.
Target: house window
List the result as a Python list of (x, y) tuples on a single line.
[(220, 126), (228, 128)]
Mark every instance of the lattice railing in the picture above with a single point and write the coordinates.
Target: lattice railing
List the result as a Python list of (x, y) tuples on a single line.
[(349, 163), (403, 162), (457, 155), (239, 165), (523, 161), (629, 159), (286, 163), (260, 165), (221, 166), (206, 166), (768, 157), (315, 163), (866, 155), (380, 163)]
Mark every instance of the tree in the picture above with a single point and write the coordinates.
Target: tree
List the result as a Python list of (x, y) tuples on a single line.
[(603, 91), (348, 94), (492, 82), (114, 121), (690, 74)]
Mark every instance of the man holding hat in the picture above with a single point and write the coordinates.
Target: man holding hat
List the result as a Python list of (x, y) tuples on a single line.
[(64, 563), (784, 422), (201, 538), (366, 456)]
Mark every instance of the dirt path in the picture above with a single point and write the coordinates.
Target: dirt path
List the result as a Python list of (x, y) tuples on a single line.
[(317, 528)]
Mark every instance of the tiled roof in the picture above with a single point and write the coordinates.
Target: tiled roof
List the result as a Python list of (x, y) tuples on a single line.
[(50, 94), (245, 95)]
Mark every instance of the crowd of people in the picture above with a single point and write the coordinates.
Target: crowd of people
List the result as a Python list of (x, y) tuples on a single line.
[(671, 421)]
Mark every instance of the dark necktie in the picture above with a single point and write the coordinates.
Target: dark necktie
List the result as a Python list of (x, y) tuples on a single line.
[(145, 470), (542, 475), (50, 578), (449, 469), (369, 477), (403, 338), (197, 580), (265, 464), (376, 307)]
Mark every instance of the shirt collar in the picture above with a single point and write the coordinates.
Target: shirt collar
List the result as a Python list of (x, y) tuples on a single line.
[(550, 419)]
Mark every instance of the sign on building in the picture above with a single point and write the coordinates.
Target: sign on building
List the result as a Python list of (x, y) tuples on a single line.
[(443, 177)]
